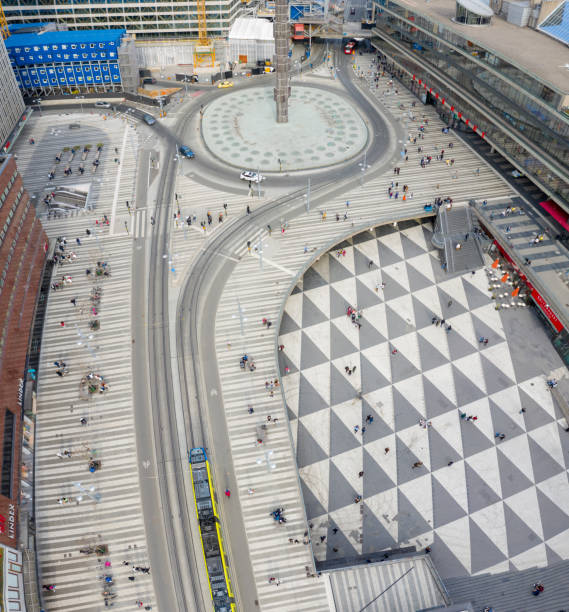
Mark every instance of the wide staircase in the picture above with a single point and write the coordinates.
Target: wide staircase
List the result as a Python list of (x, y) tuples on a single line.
[(457, 238)]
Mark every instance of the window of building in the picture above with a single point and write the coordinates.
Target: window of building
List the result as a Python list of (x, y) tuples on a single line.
[(101, 45), (27, 49), (60, 70), (92, 46), (54, 47), (40, 57), (74, 46), (76, 56), (84, 55), (65, 56), (31, 58), (103, 55), (36, 48), (42, 71), (111, 43), (21, 58), (45, 47), (82, 46), (17, 50), (64, 47)]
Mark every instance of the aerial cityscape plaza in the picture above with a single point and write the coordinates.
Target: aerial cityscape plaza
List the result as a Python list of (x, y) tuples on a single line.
[(284, 306)]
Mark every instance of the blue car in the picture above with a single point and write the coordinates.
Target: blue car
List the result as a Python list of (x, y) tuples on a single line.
[(187, 152)]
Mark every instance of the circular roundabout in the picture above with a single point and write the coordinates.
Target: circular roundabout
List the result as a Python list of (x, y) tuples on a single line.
[(240, 128)]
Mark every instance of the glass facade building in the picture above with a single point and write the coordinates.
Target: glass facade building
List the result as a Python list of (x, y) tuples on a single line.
[(520, 115), (146, 19)]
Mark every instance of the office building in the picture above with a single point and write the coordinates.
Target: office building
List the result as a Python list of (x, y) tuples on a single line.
[(11, 103), (509, 84), (23, 247), (48, 62), (154, 19)]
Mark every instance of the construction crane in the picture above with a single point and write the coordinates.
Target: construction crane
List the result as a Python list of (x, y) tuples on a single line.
[(204, 53), (3, 24)]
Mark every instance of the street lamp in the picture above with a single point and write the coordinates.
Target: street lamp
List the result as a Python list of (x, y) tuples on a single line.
[(364, 166), (267, 459), (81, 98), (90, 492), (37, 102)]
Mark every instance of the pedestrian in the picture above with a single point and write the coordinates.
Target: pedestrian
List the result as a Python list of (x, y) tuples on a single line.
[(537, 589), (73, 301), (370, 264), (62, 323), (450, 463), (417, 464), (78, 241), (335, 530), (386, 449), (361, 474), (248, 210)]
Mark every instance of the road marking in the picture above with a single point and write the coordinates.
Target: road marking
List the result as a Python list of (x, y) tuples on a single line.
[(274, 264), (117, 184)]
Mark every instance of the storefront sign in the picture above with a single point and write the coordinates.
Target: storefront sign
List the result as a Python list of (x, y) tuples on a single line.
[(20, 392), (544, 306)]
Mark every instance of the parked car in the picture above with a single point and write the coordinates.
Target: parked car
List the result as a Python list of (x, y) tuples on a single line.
[(254, 177), (149, 119), (187, 152), (101, 104), (224, 84), (350, 48), (149, 81)]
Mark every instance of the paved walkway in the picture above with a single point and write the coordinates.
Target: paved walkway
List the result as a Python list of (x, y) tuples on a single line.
[(426, 474), (261, 292), (109, 435)]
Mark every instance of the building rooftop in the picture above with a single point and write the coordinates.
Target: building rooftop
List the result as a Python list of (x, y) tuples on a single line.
[(66, 36), (530, 49)]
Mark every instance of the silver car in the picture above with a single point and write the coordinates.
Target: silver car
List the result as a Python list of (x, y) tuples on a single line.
[(254, 177), (103, 104)]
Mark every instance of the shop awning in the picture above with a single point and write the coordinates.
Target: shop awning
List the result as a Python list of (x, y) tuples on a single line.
[(556, 212)]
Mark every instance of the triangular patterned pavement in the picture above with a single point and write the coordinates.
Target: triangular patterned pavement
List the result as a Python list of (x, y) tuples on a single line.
[(401, 368), (441, 451), (512, 479), (288, 324), (406, 415), (436, 402), (309, 399), (405, 460), (553, 519), (503, 423), (544, 466), (445, 561), (309, 451), (411, 522), (430, 356), (495, 378), (466, 391), (365, 296), (535, 416), (375, 535), (340, 345), (313, 506), (338, 272), (410, 248), (312, 280), (342, 493), (474, 296), (311, 314), (484, 553), (310, 354), (520, 536), (338, 305), (341, 438), (370, 336), (480, 494), (445, 508), (458, 346), (361, 262), (340, 389), (375, 480), (371, 378)]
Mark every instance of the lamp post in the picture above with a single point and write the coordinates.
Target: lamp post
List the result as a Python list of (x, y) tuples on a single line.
[(80, 98), (90, 492), (364, 166), (267, 460)]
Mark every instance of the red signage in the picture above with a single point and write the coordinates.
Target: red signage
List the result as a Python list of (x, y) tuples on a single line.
[(537, 297), (545, 308)]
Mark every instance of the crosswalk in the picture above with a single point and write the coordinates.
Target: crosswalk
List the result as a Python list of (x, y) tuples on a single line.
[(260, 285)]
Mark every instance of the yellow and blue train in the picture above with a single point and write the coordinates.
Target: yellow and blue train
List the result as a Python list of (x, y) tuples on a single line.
[(210, 532)]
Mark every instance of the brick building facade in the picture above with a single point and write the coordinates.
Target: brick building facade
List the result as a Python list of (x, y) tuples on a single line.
[(23, 247)]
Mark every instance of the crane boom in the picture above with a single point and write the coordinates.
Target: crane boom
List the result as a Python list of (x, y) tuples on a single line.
[(3, 24)]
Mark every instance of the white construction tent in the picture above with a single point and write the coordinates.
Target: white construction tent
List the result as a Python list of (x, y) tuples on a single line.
[(251, 40)]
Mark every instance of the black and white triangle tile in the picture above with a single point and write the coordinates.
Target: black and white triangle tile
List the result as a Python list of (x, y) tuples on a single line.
[(484, 505)]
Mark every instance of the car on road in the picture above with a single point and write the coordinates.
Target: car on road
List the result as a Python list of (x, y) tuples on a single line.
[(254, 177), (224, 84), (101, 104), (350, 47), (517, 174), (187, 152), (148, 119), (149, 81)]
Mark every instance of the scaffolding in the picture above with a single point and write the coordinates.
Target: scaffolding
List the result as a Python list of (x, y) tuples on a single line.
[(3, 24), (204, 54)]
